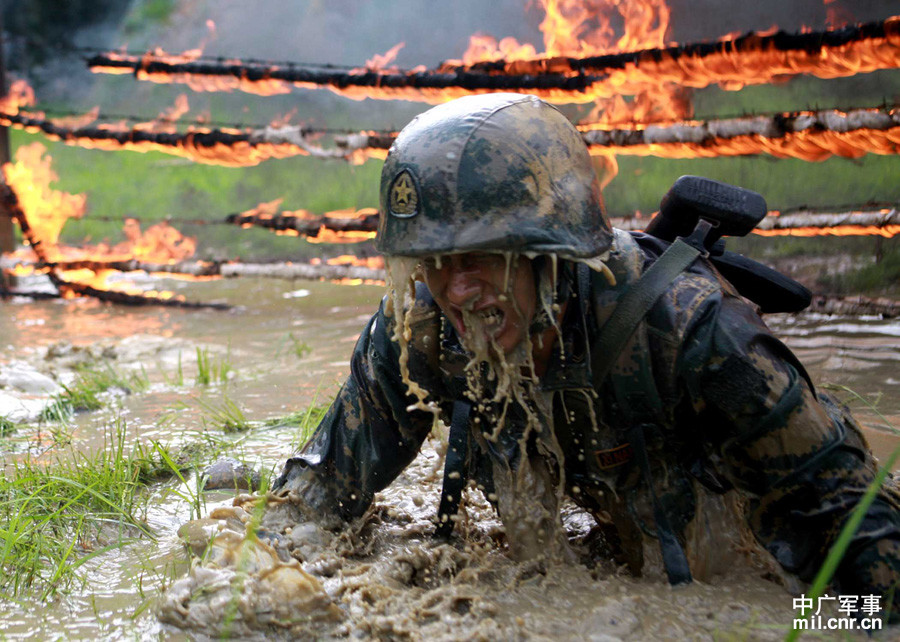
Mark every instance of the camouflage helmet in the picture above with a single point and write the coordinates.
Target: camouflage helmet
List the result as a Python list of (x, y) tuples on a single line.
[(491, 172)]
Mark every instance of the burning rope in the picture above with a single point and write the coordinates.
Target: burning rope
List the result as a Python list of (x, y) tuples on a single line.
[(229, 147), (10, 201), (337, 273), (754, 58), (882, 222), (333, 227), (362, 224), (809, 135)]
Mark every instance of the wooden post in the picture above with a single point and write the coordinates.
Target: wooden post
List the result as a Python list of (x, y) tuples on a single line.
[(7, 240), (7, 235)]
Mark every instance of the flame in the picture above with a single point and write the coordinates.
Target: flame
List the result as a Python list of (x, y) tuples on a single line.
[(47, 209), (572, 28), (886, 231), (373, 262), (165, 122), (20, 94), (808, 145), (268, 211), (381, 61), (77, 122)]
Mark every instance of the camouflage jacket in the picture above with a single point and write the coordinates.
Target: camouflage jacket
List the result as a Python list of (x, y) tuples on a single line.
[(739, 412)]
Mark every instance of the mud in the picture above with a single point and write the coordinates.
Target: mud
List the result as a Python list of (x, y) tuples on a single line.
[(385, 574), (386, 577)]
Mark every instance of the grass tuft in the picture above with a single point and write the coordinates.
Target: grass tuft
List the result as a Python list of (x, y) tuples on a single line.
[(57, 514), (85, 392), (211, 371)]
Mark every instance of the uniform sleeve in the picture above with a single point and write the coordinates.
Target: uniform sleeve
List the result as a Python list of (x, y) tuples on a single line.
[(800, 457), (366, 438)]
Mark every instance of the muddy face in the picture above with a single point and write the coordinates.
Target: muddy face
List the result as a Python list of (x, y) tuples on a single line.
[(494, 290)]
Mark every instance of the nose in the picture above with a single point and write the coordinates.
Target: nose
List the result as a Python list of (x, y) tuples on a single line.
[(463, 284)]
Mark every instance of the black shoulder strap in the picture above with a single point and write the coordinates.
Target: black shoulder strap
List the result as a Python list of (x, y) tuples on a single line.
[(635, 303), (635, 389), (454, 468)]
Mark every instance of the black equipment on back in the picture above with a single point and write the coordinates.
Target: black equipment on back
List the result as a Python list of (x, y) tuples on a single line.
[(702, 211)]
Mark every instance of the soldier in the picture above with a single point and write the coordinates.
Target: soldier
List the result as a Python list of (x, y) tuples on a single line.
[(507, 317)]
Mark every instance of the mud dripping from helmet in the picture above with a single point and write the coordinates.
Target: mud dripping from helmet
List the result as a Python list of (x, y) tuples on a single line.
[(506, 400), (401, 272)]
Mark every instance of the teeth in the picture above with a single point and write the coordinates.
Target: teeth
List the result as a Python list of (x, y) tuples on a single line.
[(491, 316)]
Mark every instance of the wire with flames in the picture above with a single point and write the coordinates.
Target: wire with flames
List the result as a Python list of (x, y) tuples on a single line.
[(41, 212), (338, 226), (345, 269), (753, 58), (808, 135), (220, 146), (352, 226)]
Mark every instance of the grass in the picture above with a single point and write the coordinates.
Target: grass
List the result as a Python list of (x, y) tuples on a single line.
[(144, 11), (84, 394), (299, 348), (7, 427), (177, 379), (56, 515), (881, 276), (305, 421), (211, 371), (225, 415)]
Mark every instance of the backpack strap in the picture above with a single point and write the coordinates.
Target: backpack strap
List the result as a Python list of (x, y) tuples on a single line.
[(634, 386), (454, 468), (635, 303)]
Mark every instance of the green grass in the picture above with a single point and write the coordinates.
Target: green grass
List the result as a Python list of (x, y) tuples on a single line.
[(7, 427), (299, 348), (211, 371), (55, 515), (148, 11), (84, 394), (224, 415), (305, 421), (881, 276)]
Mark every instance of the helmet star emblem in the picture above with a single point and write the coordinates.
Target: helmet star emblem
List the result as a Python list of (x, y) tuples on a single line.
[(404, 198)]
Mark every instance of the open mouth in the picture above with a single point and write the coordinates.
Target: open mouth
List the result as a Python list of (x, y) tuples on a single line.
[(491, 317), (491, 320)]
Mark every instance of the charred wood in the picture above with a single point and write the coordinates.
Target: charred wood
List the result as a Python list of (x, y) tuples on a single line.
[(810, 135), (753, 58), (213, 146), (288, 270), (310, 227), (305, 271)]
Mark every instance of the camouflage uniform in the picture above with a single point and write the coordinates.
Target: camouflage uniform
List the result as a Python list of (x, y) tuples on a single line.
[(741, 413), (739, 409)]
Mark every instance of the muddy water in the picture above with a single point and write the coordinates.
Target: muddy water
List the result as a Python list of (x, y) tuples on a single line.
[(388, 578)]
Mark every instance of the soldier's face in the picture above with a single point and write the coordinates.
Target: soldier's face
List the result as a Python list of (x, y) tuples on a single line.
[(479, 284)]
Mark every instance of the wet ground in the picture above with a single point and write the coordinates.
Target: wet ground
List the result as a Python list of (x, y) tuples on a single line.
[(287, 345)]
